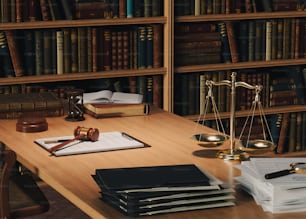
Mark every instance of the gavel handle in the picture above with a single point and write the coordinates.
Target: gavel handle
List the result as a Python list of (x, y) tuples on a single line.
[(56, 147)]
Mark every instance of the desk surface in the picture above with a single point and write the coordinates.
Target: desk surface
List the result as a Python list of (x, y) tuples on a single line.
[(170, 139)]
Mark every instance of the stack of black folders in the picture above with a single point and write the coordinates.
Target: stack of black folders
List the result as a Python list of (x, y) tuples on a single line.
[(141, 191)]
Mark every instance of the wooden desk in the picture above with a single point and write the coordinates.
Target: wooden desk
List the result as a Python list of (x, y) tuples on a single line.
[(168, 134)]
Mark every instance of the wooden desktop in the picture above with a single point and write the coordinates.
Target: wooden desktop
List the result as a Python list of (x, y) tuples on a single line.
[(170, 138)]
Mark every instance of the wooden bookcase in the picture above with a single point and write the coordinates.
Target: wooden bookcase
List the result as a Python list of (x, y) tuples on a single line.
[(183, 73), (165, 70)]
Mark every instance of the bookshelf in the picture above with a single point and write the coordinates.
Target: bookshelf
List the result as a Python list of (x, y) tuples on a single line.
[(162, 19), (189, 78)]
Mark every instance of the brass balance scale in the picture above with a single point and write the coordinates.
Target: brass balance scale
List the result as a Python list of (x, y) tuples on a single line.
[(237, 149)]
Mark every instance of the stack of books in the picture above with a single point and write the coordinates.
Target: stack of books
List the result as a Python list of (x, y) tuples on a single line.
[(276, 195), (140, 191)]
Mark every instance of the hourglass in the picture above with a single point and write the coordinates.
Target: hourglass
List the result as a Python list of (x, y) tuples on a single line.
[(75, 105)]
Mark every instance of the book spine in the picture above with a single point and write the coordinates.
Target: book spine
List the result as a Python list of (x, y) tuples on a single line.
[(82, 51), (119, 49), (129, 8), (67, 10), (94, 50), (268, 40), (149, 47), (141, 41), (60, 51), (88, 41), (19, 9), (125, 49), (14, 53), (67, 50), (156, 8), (7, 66), (157, 45), (107, 52), (44, 10), (38, 53), (74, 50), (47, 49), (232, 42), (226, 55), (147, 8), (122, 8)]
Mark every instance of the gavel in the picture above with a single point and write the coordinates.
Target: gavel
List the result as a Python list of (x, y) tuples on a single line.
[(80, 133)]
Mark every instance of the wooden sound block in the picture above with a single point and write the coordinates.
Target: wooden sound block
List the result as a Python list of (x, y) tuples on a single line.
[(31, 124)]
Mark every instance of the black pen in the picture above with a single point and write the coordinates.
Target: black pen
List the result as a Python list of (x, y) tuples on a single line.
[(56, 141)]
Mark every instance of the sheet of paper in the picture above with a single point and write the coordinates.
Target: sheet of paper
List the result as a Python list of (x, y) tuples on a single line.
[(108, 141)]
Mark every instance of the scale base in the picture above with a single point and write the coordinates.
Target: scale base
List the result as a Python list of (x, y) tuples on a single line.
[(232, 155)]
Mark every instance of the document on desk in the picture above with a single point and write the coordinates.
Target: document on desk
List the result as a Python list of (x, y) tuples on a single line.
[(108, 141), (278, 195)]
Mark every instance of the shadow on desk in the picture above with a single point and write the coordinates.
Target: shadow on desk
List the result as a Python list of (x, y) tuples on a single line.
[(59, 206)]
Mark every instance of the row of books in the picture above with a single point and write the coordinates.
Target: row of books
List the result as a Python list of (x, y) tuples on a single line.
[(281, 86), (45, 10), (202, 7), (229, 41), (197, 44), (83, 49), (288, 131), (268, 39)]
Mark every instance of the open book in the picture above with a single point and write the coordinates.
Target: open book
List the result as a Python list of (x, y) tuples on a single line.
[(107, 96)]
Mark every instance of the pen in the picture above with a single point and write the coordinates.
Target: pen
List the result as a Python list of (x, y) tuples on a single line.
[(56, 141)]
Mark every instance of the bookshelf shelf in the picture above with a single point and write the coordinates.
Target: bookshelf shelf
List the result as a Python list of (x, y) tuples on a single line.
[(82, 23), (239, 65), (240, 16), (82, 76)]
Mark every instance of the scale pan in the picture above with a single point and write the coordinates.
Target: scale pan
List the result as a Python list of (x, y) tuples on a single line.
[(258, 146), (209, 140)]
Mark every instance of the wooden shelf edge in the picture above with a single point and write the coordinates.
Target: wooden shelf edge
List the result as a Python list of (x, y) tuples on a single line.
[(82, 76), (245, 113), (239, 65), (240, 16), (81, 23)]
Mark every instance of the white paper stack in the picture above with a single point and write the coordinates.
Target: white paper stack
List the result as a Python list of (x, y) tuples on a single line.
[(277, 195)]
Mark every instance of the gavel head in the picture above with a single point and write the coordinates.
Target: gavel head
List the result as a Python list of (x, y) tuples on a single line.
[(86, 134)]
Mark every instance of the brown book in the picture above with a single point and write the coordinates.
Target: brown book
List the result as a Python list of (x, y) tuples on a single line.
[(45, 13), (114, 110), (157, 45), (94, 49), (107, 50), (14, 52), (297, 39), (19, 10), (232, 42), (195, 28), (122, 8), (114, 49), (283, 135), (125, 49), (33, 10), (157, 91), (197, 37), (30, 102), (90, 10)]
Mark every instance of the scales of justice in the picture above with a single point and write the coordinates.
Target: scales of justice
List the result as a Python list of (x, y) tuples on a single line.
[(237, 150)]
